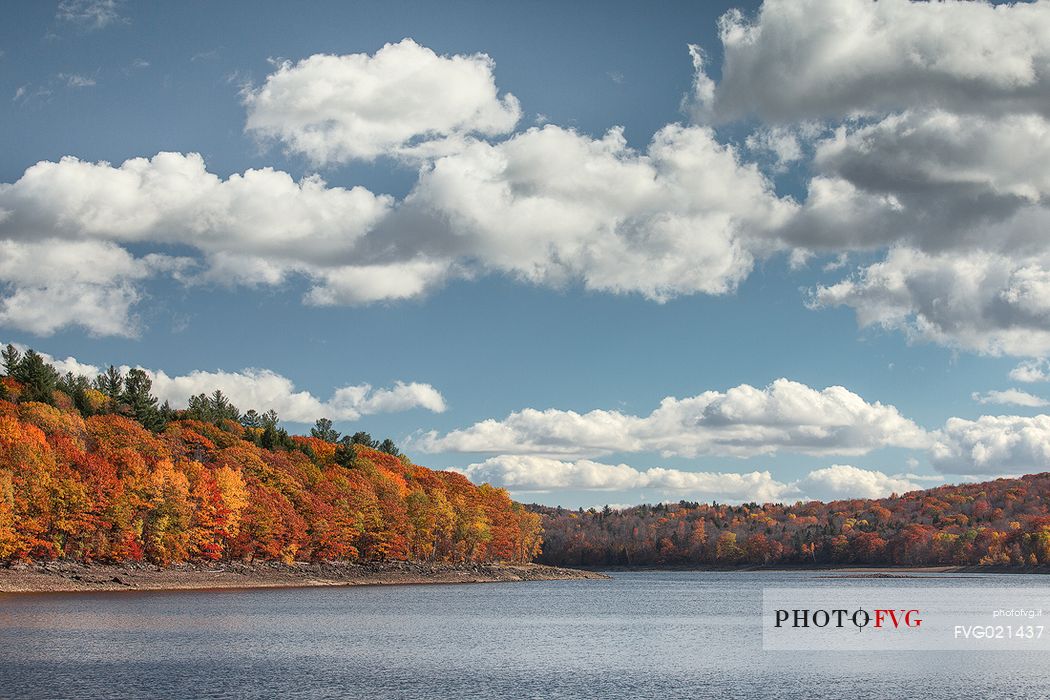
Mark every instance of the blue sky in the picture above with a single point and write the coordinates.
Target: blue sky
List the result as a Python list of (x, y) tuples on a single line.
[(435, 290)]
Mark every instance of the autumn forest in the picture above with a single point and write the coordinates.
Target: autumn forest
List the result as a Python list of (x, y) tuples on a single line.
[(1005, 522), (96, 470)]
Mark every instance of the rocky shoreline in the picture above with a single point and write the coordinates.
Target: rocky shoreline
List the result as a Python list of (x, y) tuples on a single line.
[(70, 577)]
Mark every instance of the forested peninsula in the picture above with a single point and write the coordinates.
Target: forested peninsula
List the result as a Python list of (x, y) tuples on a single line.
[(96, 472)]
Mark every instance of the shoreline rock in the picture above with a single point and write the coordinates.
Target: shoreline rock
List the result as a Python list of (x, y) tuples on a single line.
[(76, 577)]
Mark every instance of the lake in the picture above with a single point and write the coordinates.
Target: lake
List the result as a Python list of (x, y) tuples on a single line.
[(639, 635)]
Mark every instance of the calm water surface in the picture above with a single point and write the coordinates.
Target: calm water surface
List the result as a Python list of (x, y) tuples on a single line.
[(640, 635)]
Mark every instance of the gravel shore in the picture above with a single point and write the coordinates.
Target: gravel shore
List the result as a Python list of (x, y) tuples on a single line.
[(55, 577)]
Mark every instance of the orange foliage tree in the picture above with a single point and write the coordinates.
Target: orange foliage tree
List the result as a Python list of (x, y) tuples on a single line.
[(83, 478)]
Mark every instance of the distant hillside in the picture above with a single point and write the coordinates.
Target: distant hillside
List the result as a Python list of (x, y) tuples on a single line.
[(96, 471), (1005, 522)]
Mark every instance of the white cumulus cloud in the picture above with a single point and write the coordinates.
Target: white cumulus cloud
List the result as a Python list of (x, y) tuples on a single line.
[(51, 284), (526, 473), (801, 59), (842, 481), (404, 98), (940, 122), (983, 302), (549, 206), (264, 389), (930, 179), (1010, 396), (552, 206), (743, 421), (960, 200), (73, 218), (1031, 371), (993, 445), (533, 474), (172, 199)]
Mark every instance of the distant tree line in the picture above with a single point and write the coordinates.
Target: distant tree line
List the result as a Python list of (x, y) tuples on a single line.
[(1005, 522)]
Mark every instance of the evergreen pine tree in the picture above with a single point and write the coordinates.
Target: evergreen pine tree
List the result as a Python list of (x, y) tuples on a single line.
[(222, 409), (270, 418), (323, 430), (167, 413), (142, 405), (269, 437), (345, 453), (40, 378), (12, 357), (76, 387), (389, 447), (251, 419), (111, 385), (363, 438)]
